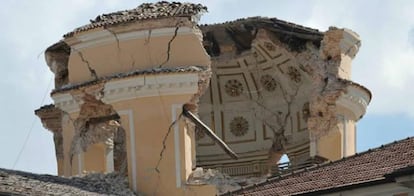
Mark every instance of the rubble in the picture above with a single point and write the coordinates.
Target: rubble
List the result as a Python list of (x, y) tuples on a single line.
[(223, 182), (25, 183)]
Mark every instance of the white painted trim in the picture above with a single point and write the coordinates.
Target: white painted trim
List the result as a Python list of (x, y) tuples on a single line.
[(102, 37), (313, 148), (132, 145), (150, 86), (355, 100), (341, 118), (80, 160), (177, 152), (136, 87), (355, 137), (110, 160), (345, 132), (66, 102)]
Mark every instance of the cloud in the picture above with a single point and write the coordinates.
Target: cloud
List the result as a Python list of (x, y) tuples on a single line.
[(384, 63)]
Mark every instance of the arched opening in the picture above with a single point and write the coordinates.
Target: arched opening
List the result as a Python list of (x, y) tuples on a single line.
[(283, 164)]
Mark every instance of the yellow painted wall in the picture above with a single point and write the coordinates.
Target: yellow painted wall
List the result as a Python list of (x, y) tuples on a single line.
[(148, 118), (94, 159), (152, 118), (68, 131), (329, 146), (136, 54)]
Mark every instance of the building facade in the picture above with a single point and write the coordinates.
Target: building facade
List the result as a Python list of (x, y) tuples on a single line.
[(262, 86)]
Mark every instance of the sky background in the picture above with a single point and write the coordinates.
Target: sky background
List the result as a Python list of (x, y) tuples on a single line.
[(384, 64)]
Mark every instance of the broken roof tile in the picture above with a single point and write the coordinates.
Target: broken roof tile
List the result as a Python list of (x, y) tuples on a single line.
[(24, 183), (145, 11)]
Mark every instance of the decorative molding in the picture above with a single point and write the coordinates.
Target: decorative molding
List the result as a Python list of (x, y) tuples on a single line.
[(66, 102), (350, 43), (233, 87), (177, 152), (268, 83), (294, 74), (355, 100), (239, 126), (136, 87), (344, 135), (150, 86), (104, 36)]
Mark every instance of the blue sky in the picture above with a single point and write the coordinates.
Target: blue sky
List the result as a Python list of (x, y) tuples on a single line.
[(384, 64)]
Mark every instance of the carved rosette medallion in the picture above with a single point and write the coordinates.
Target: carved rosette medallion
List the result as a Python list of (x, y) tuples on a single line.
[(239, 126), (294, 74), (268, 83), (233, 88)]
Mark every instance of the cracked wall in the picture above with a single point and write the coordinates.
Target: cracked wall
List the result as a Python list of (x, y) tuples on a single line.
[(273, 88), (155, 42), (96, 91), (274, 91)]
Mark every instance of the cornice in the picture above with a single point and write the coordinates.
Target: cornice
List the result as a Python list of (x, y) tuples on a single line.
[(350, 43), (105, 36), (356, 100), (135, 87)]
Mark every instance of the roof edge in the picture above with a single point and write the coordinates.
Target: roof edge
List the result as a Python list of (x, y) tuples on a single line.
[(272, 179)]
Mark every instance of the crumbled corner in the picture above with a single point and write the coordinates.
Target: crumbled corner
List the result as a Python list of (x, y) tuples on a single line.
[(319, 64), (223, 182), (57, 58), (330, 48), (98, 122), (203, 82), (204, 76), (51, 118)]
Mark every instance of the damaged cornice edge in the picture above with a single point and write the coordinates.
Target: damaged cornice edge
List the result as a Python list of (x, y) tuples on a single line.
[(136, 87), (103, 37), (356, 100)]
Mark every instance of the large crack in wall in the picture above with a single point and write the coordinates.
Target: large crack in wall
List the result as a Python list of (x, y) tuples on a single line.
[(98, 122), (318, 57)]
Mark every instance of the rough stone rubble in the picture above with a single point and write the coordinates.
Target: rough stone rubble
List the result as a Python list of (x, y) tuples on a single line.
[(223, 182), (24, 183)]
